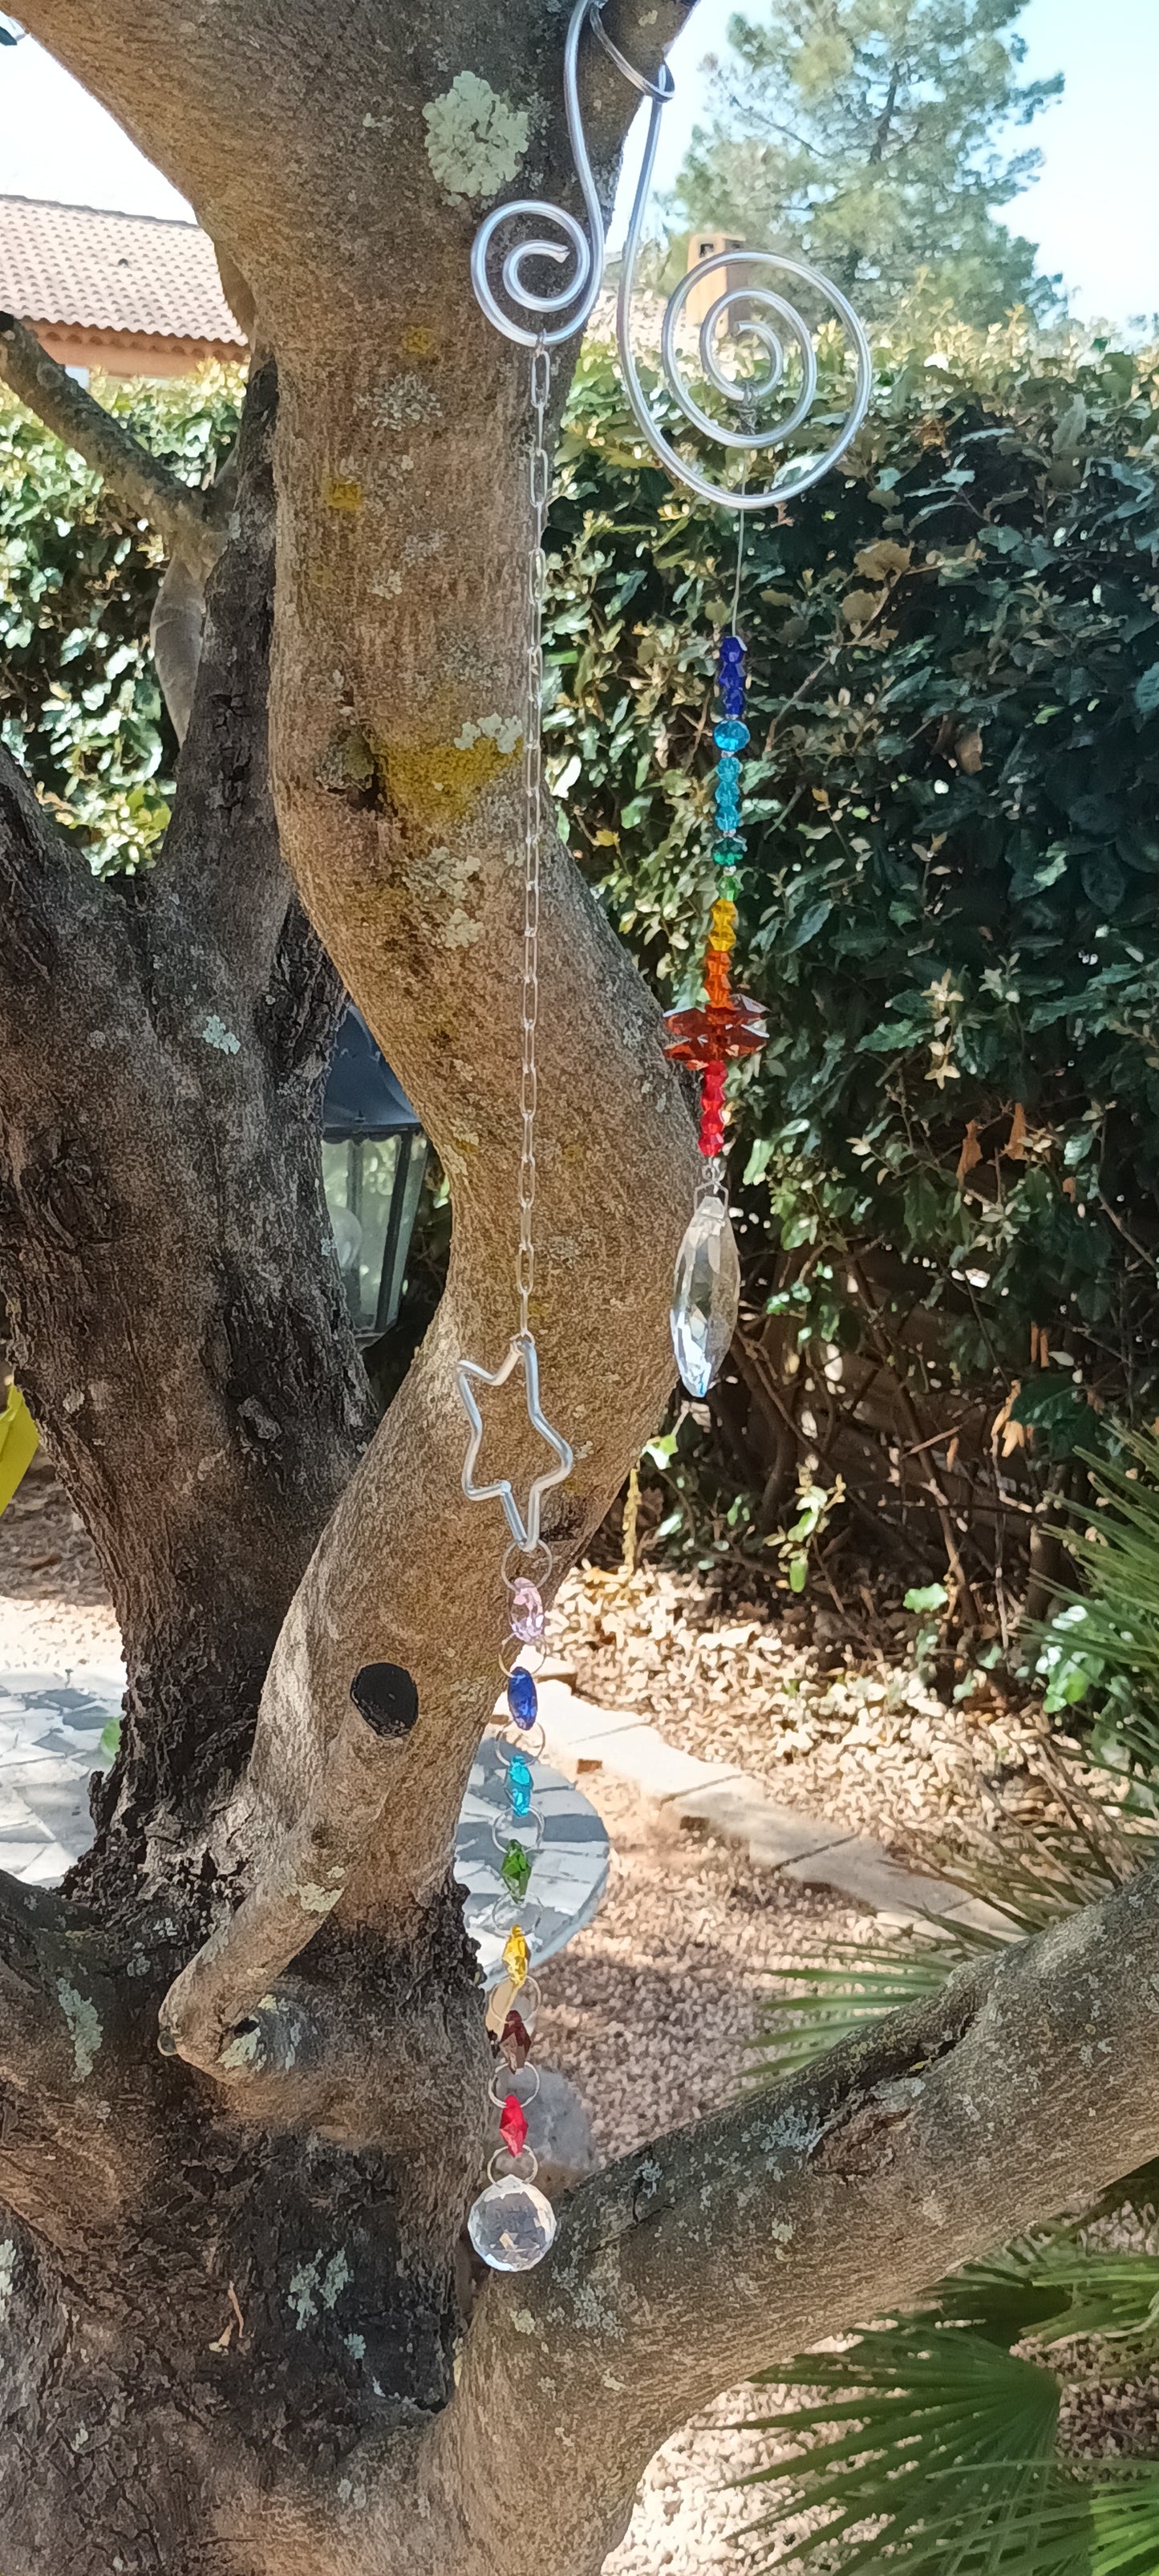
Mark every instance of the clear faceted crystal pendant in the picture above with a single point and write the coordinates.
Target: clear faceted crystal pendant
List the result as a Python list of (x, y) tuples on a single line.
[(511, 2225), (705, 1295)]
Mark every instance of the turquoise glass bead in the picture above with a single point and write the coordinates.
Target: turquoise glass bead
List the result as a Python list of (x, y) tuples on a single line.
[(730, 736), (519, 1786), (727, 813), (728, 775)]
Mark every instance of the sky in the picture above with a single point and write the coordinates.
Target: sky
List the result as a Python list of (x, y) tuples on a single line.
[(1094, 211)]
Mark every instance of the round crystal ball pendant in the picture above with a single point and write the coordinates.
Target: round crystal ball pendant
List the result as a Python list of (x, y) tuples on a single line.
[(511, 2225)]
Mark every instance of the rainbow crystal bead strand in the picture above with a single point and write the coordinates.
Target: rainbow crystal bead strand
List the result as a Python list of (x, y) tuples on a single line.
[(725, 1026), (512, 2223)]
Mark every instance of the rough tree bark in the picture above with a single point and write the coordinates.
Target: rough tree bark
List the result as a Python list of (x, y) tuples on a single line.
[(235, 2332)]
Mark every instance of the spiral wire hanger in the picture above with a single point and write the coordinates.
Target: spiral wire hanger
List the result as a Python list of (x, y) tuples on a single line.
[(748, 308)]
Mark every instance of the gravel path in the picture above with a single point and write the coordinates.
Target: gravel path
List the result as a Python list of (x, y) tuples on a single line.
[(54, 1610), (862, 1741), (650, 2011)]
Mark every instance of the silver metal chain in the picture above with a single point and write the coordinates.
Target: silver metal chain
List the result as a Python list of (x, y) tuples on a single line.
[(540, 486)]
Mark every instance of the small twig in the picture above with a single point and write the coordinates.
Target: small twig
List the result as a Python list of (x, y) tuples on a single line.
[(140, 481), (937, 1436), (1137, 1248)]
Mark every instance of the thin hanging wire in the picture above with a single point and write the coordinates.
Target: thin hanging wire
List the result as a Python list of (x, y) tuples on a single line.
[(540, 486), (739, 569)]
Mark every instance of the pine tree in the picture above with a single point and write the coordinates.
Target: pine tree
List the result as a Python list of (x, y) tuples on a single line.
[(865, 135)]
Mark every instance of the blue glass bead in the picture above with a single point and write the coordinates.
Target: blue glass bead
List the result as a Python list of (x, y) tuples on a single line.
[(730, 736), (523, 1697), (519, 1785), (732, 699), (731, 649)]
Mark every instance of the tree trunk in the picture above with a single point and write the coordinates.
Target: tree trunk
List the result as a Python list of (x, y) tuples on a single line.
[(243, 2062)]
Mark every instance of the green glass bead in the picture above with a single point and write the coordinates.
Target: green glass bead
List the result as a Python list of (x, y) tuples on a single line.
[(515, 1871)]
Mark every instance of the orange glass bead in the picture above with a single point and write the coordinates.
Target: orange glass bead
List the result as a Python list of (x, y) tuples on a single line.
[(703, 1036), (716, 975)]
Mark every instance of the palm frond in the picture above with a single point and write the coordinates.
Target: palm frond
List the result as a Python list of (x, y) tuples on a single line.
[(1010, 2297), (1124, 2513), (1113, 2295), (915, 2451), (1109, 2527), (1106, 1638), (836, 1998), (1056, 1873)]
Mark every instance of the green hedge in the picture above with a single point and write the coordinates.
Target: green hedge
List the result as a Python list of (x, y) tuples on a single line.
[(948, 1156), (950, 899), (79, 702)]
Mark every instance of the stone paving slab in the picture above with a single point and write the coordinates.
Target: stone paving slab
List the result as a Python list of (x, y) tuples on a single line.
[(809, 1849), (774, 1834), (51, 1725)]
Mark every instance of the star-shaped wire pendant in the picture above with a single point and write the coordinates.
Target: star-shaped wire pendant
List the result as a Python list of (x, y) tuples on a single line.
[(468, 1375)]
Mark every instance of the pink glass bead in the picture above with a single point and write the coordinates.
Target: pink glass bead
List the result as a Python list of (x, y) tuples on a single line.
[(528, 1616)]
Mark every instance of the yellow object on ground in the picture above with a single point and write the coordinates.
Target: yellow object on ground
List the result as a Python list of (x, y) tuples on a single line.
[(19, 1442)]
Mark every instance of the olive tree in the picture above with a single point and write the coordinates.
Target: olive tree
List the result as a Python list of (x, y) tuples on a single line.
[(243, 2061)]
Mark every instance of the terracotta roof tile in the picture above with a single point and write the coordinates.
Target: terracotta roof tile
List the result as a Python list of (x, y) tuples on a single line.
[(106, 272)]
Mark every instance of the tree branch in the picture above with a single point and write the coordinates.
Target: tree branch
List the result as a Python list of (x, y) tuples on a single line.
[(139, 480), (396, 718), (1029, 2084), (179, 1328), (211, 2014)]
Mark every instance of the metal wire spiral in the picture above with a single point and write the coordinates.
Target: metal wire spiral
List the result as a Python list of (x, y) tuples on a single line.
[(530, 324), (752, 315)]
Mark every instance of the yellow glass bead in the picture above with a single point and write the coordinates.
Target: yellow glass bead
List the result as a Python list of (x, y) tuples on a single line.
[(516, 1956), (721, 941), (723, 911)]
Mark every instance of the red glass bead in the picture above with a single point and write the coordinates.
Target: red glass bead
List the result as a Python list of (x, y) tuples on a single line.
[(515, 2044), (710, 1143), (701, 1036), (713, 1085), (513, 2125)]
